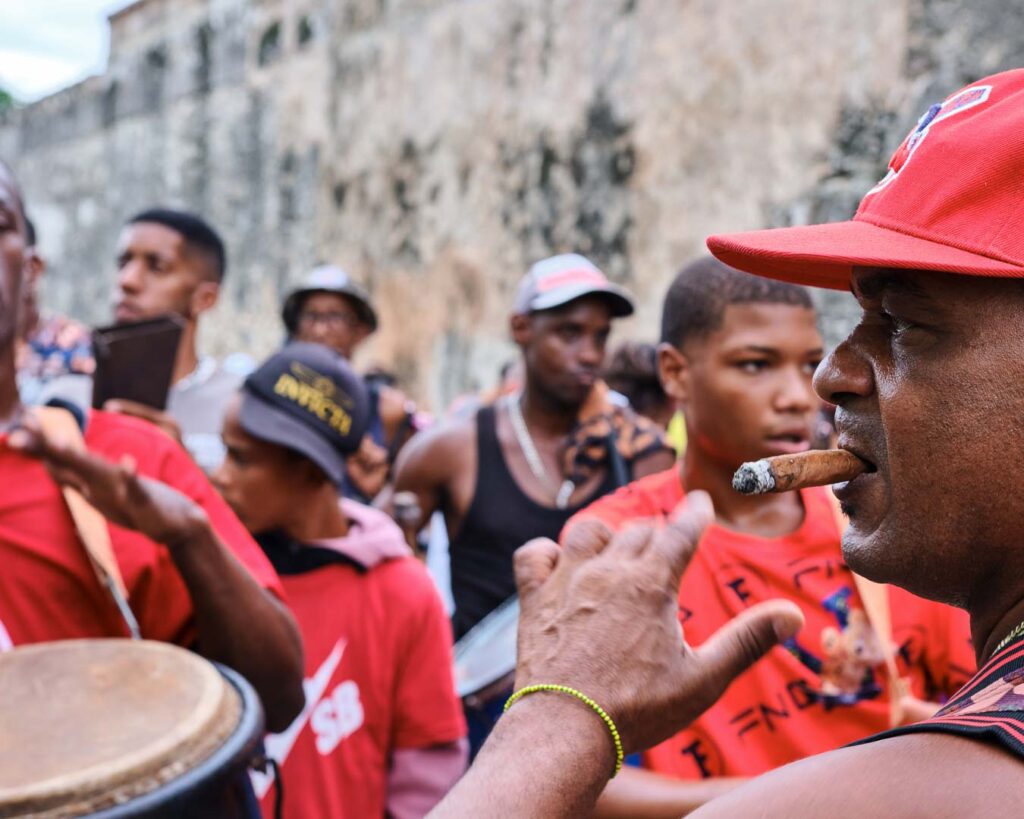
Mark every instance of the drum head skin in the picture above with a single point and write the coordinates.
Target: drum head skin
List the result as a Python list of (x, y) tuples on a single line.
[(88, 724), (487, 653)]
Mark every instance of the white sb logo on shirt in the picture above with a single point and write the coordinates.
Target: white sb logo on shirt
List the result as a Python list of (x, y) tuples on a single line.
[(337, 716)]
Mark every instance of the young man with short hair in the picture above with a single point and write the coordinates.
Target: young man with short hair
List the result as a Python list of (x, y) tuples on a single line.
[(382, 731), (171, 262), (737, 356)]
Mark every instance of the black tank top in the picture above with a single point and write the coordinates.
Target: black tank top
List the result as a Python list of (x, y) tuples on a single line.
[(501, 518), (990, 708)]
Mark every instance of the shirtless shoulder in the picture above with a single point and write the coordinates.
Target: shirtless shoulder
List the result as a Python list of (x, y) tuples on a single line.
[(926, 775), (440, 451), (439, 465)]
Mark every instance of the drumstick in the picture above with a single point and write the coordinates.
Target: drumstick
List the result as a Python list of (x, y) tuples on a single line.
[(819, 467)]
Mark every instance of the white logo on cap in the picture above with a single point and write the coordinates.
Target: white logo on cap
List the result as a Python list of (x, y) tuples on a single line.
[(957, 104)]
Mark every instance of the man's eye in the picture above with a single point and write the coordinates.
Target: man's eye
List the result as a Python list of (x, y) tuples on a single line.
[(753, 365), (899, 326)]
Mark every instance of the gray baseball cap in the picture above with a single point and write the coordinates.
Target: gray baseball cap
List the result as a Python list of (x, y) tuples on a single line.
[(558, 280), (307, 398), (328, 279)]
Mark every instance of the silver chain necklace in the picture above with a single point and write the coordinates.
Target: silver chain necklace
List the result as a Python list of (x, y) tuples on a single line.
[(529, 450)]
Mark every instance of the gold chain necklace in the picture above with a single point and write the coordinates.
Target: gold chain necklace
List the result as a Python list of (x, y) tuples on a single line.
[(1016, 632)]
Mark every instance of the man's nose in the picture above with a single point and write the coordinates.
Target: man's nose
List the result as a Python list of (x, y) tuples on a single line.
[(591, 353), (795, 393), (844, 374), (218, 478), (129, 277), (319, 331)]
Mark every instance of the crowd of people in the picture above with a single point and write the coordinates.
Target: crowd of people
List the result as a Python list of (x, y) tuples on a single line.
[(276, 517)]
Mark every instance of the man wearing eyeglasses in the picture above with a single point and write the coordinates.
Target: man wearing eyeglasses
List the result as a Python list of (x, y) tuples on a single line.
[(330, 308)]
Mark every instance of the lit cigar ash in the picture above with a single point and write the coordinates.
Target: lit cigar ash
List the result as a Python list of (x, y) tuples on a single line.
[(787, 472)]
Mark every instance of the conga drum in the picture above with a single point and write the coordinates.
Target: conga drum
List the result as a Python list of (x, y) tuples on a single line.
[(124, 728), (485, 665)]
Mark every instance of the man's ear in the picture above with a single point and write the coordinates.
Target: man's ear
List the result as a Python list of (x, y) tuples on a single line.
[(35, 267), (204, 297), (674, 373), (521, 326)]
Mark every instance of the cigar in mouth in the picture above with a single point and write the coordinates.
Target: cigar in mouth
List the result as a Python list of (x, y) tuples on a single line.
[(818, 467)]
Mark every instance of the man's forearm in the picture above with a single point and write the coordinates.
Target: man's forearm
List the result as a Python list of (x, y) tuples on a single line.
[(547, 758), (640, 794), (241, 624)]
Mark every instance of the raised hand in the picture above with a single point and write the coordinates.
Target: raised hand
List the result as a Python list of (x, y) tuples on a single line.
[(601, 615), (368, 467)]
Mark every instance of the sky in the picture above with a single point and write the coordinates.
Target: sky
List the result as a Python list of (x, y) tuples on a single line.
[(46, 45)]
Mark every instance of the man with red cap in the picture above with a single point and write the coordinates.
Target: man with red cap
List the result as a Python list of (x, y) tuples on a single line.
[(934, 255)]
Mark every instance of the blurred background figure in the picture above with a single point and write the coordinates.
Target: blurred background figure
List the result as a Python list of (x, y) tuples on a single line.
[(51, 347), (632, 372), (332, 309), (170, 262)]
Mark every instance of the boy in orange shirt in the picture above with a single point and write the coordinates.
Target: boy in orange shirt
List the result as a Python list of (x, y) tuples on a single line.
[(737, 355)]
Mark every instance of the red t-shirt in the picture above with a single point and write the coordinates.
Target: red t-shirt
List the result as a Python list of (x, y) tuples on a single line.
[(827, 686), (48, 590), (378, 679)]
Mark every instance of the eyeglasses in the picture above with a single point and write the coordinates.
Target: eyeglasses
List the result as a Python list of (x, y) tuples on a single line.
[(331, 320)]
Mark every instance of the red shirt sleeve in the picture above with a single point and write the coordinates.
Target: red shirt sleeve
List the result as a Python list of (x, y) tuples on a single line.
[(427, 709)]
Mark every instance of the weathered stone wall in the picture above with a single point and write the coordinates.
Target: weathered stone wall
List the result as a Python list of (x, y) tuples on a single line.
[(437, 147)]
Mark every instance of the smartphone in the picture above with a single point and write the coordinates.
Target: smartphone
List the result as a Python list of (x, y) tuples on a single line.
[(135, 361)]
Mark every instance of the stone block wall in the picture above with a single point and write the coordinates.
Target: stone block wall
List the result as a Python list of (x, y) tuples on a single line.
[(436, 148)]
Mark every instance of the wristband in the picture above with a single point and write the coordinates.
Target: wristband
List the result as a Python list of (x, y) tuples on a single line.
[(572, 692)]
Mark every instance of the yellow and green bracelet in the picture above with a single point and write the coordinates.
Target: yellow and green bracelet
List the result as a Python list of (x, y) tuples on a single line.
[(572, 692)]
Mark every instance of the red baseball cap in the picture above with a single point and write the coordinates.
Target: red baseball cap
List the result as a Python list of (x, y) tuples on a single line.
[(952, 200)]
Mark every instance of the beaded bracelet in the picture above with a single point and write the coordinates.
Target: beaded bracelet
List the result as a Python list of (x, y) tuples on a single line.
[(564, 689)]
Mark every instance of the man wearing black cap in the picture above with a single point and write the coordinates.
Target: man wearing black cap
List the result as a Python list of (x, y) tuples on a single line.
[(381, 731), (521, 468), (332, 309)]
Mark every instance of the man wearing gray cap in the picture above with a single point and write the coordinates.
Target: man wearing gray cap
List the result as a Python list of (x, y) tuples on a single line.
[(520, 468), (329, 307)]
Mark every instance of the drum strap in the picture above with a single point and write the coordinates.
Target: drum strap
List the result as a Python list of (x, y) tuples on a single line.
[(91, 526), (875, 597)]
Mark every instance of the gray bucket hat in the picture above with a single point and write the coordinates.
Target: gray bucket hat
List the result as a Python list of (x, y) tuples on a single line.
[(328, 279)]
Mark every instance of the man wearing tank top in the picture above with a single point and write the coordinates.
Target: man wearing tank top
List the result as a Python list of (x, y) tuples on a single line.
[(519, 469)]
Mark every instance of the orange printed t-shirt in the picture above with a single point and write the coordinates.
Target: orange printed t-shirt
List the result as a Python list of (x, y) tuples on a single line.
[(824, 688)]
